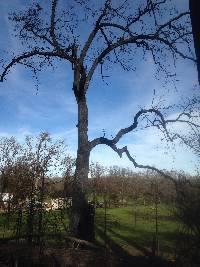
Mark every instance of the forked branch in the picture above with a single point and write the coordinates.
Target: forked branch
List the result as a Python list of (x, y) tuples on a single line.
[(160, 122)]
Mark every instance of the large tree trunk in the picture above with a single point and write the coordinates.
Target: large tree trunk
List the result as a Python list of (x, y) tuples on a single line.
[(195, 20), (82, 216)]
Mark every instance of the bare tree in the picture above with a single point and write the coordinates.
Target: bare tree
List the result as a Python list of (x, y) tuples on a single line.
[(119, 30), (41, 155)]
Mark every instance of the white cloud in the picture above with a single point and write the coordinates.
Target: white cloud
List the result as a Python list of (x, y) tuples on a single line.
[(147, 148)]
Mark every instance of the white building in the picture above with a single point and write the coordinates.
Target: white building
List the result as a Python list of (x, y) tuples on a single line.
[(5, 197)]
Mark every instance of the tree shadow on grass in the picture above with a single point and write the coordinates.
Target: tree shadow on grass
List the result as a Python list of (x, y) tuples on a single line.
[(140, 237), (143, 238), (127, 259)]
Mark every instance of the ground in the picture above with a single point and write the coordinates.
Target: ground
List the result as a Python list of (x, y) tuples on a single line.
[(127, 241)]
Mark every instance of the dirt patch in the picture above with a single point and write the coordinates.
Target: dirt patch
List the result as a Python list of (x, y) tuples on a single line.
[(23, 256)]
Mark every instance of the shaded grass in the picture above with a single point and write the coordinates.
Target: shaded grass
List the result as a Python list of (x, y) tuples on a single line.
[(53, 222), (122, 228)]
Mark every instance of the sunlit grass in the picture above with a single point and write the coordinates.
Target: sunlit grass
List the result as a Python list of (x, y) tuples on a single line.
[(123, 227), (125, 230)]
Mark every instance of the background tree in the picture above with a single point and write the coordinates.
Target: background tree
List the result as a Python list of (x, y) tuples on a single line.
[(68, 165), (10, 149), (118, 31), (96, 172)]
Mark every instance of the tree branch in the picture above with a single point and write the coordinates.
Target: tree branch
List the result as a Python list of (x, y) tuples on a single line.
[(115, 25), (93, 34), (138, 38), (124, 149), (168, 24), (150, 7), (30, 54), (161, 121), (52, 27), (41, 36), (148, 167)]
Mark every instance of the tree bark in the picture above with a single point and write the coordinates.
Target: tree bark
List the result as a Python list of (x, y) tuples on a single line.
[(195, 20), (82, 215)]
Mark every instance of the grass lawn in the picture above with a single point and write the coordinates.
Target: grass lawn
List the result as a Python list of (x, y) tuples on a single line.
[(123, 228), (126, 231)]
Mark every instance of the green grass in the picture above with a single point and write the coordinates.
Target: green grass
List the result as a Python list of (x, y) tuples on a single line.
[(122, 228), (53, 221), (126, 232)]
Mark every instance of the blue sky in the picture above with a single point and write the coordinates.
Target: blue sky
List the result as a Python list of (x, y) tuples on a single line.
[(53, 108)]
